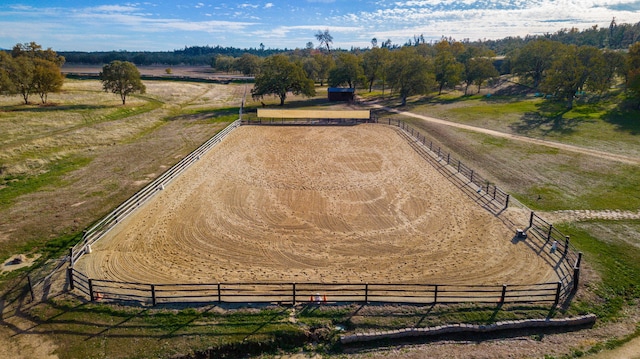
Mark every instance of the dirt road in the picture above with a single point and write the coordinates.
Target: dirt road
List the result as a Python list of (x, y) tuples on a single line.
[(562, 146)]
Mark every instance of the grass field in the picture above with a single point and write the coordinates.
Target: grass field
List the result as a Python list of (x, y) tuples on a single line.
[(64, 166)]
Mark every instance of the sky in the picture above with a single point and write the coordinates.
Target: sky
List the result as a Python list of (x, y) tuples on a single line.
[(163, 25)]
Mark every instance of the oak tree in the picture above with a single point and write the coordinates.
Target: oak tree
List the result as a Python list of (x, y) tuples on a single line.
[(279, 76), (121, 78)]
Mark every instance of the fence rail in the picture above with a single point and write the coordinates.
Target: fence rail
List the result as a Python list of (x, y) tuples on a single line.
[(108, 290), (102, 227)]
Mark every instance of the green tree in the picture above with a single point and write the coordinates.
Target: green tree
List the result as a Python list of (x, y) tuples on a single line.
[(616, 64), (477, 70), (534, 59), (7, 67), (248, 64), (280, 76), (348, 71), (448, 71), (410, 74), (325, 63), (575, 69), (311, 67), (47, 78), (223, 63), (22, 77), (373, 62), (633, 72), (122, 78)]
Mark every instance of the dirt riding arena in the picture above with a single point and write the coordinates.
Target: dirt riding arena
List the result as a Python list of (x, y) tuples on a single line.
[(313, 204)]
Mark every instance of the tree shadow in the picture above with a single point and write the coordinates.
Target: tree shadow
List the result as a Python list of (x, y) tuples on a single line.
[(626, 117), (51, 108), (549, 119)]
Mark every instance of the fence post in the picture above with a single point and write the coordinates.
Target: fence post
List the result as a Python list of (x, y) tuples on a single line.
[(576, 279), (506, 202), (435, 295), (71, 256), (366, 293), (33, 297), (438, 153), (578, 260), (549, 233), (70, 276), (566, 246), (557, 299), (91, 290), (219, 294), (471, 179), (430, 145), (495, 188), (294, 288), (153, 295), (487, 187), (504, 293), (531, 219), (458, 165), (448, 156)]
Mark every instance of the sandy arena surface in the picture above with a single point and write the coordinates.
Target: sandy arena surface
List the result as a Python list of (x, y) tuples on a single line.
[(329, 204)]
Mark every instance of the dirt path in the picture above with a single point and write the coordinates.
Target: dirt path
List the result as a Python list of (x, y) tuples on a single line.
[(576, 215), (630, 350), (562, 146)]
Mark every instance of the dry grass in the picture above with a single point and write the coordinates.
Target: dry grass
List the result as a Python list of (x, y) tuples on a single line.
[(117, 148)]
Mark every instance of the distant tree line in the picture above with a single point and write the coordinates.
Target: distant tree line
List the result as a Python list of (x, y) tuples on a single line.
[(193, 55)]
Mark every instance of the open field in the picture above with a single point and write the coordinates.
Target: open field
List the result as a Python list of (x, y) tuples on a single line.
[(314, 204)]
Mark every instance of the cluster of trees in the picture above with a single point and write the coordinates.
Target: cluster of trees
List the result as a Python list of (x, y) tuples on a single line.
[(560, 71), (28, 69), (407, 70)]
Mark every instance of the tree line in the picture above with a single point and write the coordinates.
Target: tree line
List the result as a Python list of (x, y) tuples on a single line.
[(560, 71)]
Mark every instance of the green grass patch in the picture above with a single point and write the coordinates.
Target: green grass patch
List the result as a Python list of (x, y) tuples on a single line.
[(15, 186), (618, 263), (126, 332)]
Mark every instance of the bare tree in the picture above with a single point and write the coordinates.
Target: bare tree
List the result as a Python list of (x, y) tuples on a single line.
[(325, 39)]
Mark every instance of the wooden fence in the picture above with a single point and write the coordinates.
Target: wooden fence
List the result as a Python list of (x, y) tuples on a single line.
[(541, 234), (493, 196), (108, 290), (494, 199)]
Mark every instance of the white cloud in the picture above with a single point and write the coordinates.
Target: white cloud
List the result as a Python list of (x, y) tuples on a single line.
[(268, 5)]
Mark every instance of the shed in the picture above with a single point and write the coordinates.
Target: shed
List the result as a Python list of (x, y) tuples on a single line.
[(341, 93)]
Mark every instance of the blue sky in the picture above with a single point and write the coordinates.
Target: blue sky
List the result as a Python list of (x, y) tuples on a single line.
[(162, 25)]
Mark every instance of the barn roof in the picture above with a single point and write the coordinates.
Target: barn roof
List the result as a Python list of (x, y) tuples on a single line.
[(341, 89)]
